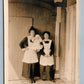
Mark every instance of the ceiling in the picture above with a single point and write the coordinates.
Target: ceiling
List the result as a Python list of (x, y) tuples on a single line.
[(48, 4), (53, 3)]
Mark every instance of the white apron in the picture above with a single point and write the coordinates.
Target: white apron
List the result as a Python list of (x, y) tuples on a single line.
[(47, 59), (30, 55)]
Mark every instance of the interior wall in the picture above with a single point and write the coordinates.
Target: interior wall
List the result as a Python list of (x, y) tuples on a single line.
[(19, 14), (67, 44), (42, 16), (62, 42), (16, 34), (70, 56)]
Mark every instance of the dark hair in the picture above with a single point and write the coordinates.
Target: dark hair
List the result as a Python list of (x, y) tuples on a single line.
[(32, 28), (47, 33)]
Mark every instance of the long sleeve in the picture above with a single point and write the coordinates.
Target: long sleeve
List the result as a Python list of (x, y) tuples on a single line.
[(52, 48), (41, 51), (24, 43)]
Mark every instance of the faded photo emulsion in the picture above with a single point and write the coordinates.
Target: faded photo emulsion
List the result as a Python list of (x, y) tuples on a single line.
[(41, 41)]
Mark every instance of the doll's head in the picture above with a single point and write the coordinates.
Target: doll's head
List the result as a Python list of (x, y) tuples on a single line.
[(38, 38)]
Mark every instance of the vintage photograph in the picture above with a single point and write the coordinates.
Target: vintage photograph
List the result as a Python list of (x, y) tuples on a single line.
[(42, 44)]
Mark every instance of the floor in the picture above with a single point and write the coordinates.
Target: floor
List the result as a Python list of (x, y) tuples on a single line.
[(58, 81)]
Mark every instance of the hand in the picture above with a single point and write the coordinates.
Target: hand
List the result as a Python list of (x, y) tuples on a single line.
[(25, 46), (23, 49)]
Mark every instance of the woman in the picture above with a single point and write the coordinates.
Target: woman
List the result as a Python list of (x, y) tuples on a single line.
[(30, 54), (46, 59)]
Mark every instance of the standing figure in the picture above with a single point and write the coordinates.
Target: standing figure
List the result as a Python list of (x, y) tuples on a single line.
[(30, 54), (47, 59)]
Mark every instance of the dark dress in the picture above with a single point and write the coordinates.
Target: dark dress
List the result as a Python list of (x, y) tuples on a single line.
[(47, 71), (27, 71)]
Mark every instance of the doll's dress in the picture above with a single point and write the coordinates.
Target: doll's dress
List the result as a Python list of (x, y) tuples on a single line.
[(37, 45)]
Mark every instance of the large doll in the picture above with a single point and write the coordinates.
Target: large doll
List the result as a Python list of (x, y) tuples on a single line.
[(47, 59), (30, 54), (37, 43)]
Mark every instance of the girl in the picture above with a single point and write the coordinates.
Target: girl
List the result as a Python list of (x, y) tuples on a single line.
[(46, 59), (30, 54)]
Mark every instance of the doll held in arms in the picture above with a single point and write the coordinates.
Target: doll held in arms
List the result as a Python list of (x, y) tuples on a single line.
[(36, 45)]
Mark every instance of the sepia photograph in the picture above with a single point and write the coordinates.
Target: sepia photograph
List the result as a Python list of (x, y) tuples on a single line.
[(41, 41)]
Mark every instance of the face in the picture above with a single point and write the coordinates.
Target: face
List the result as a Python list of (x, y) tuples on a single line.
[(46, 36), (37, 37), (32, 33)]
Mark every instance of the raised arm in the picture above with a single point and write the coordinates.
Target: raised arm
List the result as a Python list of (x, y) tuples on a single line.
[(24, 43)]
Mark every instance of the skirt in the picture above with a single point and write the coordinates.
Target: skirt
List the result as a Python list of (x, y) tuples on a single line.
[(46, 61), (30, 56)]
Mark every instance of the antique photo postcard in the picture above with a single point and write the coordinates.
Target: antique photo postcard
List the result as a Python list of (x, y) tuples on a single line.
[(41, 41)]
